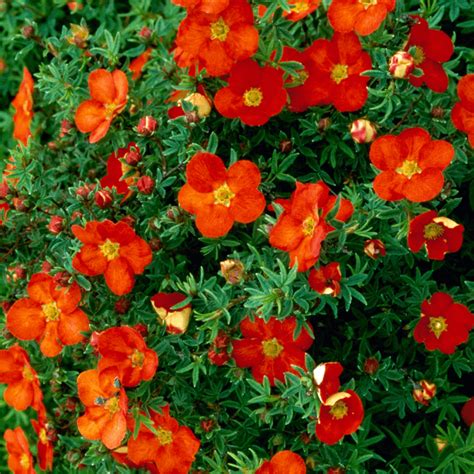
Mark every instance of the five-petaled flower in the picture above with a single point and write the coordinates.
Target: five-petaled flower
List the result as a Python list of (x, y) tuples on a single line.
[(109, 97), (283, 462), (23, 104), (124, 348), (113, 250), (106, 406), (49, 315), (462, 114), (170, 446), (326, 279), (20, 460), (412, 165), (439, 235), (220, 197), (254, 94), (362, 16), (443, 324), (216, 41), (269, 348)]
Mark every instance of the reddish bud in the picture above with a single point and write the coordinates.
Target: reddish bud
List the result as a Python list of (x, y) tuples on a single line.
[(424, 391), (85, 190), (145, 32), (363, 131), (374, 248), (19, 204), (71, 404), (155, 244), (233, 271), (62, 278), (285, 146), (6, 305), (103, 198), (146, 125), (133, 157), (66, 126), (46, 267), (4, 189), (142, 329), (52, 146), (55, 225), (94, 341), (18, 272), (371, 365), (146, 184), (27, 31), (437, 112), (76, 215), (324, 123), (75, 6), (207, 425), (122, 305), (401, 65), (3, 66), (129, 220), (336, 470)]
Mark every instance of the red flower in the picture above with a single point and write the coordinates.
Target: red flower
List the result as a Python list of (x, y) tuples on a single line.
[(412, 165), (45, 448), (284, 462), (439, 235), (125, 349), (171, 447), (49, 315), (362, 16), (217, 352), (270, 348), (462, 114), (106, 406), (20, 460), (467, 412), (176, 320), (136, 65), (217, 40), (304, 90), (341, 415), (254, 94), (23, 104), (109, 97), (117, 168), (4, 208), (443, 324), (301, 227), (300, 9), (326, 378), (325, 280), (113, 250), (339, 63), (23, 389), (432, 47), (220, 197)]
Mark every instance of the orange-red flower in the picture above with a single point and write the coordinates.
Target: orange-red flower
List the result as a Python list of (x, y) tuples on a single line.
[(171, 447), (117, 168), (45, 448), (301, 228), (112, 250), (341, 415), (326, 279), (432, 47), (23, 389), (175, 320), (23, 104), (412, 165), (205, 6), (219, 197), (467, 412), (254, 93), (108, 92), (20, 460), (439, 235), (339, 63), (136, 65), (462, 114), (50, 315), (444, 324), (300, 9), (124, 348), (269, 348), (284, 462), (216, 41), (326, 378), (362, 16), (106, 406)]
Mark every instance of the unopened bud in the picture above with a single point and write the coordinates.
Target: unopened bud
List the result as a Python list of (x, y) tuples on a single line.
[(146, 184), (424, 391), (85, 190), (27, 31), (103, 198), (363, 131), (374, 248), (233, 271), (146, 125), (19, 204), (401, 65), (371, 365), (133, 157), (122, 305), (55, 225), (145, 32), (437, 112)]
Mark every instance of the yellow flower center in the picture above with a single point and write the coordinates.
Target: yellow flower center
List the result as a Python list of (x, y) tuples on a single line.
[(300, 6), (110, 250), (339, 410), (368, 3), (51, 311), (271, 348), (433, 231), (339, 73), (437, 326), (112, 405), (110, 111), (223, 195), (253, 97), (42, 436), (309, 225), (28, 373), (137, 358), (219, 30), (164, 436), (24, 461), (409, 168), (419, 55)]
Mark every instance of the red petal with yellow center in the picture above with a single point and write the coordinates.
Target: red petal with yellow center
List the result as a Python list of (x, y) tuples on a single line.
[(25, 319), (119, 276)]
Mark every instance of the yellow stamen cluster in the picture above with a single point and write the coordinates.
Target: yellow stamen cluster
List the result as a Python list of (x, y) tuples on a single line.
[(271, 348), (219, 30), (51, 311), (339, 410), (253, 97), (433, 231), (223, 195), (437, 326), (339, 73), (110, 250), (409, 168)]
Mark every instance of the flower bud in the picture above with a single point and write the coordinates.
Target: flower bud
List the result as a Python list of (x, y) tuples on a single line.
[(324, 123), (141, 328), (76, 215), (146, 184), (440, 443), (79, 36), (176, 320), (3, 66), (46, 267), (146, 125), (374, 248), (55, 225), (233, 271), (285, 146), (66, 126), (336, 470), (155, 244), (19, 204), (401, 65), (363, 131), (75, 6), (424, 391), (4, 189), (133, 156), (437, 112), (62, 278), (16, 273), (103, 198), (371, 365), (208, 425), (145, 32), (85, 190), (201, 103), (122, 305), (27, 31)]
